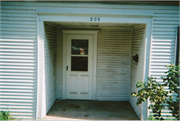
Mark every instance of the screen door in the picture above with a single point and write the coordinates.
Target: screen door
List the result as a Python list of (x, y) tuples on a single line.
[(79, 67)]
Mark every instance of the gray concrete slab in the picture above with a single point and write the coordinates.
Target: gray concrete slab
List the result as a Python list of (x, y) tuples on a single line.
[(91, 110)]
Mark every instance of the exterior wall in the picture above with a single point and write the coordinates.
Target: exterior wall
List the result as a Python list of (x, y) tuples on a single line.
[(163, 45), (163, 42), (137, 69), (113, 64), (50, 48), (18, 42), (179, 49), (59, 64), (18, 62)]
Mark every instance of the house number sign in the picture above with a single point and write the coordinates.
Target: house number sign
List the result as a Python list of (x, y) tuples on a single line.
[(94, 18)]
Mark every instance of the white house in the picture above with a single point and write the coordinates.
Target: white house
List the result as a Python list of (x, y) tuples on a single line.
[(82, 50)]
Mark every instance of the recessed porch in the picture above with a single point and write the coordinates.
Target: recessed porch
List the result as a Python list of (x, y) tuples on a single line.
[(91, 110), (117, 44)]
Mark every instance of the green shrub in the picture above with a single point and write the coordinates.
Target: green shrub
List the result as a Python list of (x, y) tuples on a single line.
[(5, 115), (157, 94), (172, 81)]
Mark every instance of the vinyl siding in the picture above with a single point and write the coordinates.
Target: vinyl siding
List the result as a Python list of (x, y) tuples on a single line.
[(18, 62), (163, 45), (179, 49), (50, 48), (163, 42), (113, 64), (18, 51), (137, 68), (59, 64)]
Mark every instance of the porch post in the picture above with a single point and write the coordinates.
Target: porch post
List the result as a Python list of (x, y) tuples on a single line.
[(40, 110), (147, 64)]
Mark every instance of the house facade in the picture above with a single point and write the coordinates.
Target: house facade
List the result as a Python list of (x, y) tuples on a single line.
[(82, 51)]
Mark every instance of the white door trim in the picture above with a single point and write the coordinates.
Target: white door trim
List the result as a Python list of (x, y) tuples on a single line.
[(94, 58), (78, 90)]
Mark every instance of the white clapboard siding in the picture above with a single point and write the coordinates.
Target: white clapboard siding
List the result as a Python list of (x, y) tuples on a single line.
[(18, 62), (50, 48), (137, 69), (59, 64), (179, 47), (113, 64), (18, 25), (163, 44)]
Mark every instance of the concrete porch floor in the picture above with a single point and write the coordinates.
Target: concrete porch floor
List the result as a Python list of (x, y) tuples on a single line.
[(91, 110)]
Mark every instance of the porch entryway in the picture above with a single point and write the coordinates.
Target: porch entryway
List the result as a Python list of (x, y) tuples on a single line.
[(91, 110), (119, 56)]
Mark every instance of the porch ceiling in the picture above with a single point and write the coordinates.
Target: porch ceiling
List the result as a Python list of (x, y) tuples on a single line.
[(93, 25)]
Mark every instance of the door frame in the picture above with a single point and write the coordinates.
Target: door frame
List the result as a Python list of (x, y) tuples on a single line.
[(94, 58), (79, 74)]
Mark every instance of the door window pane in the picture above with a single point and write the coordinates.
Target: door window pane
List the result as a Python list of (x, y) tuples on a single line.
[(79, 63), (79, 47)]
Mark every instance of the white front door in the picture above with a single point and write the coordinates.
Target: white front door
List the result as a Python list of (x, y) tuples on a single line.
[(79, 67)]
